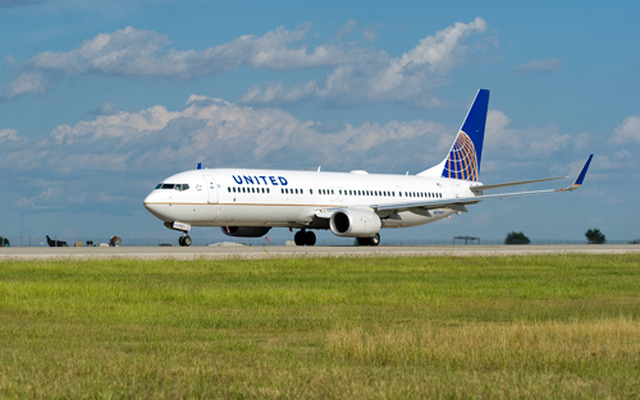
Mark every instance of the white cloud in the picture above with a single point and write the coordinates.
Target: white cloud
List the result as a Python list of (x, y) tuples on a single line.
[(539, 66), (8, 134), (91, 156), (135, 52), (510, 147), (627, 132), (26, 83), (217, 133), (358, 74), (220, 133), (368, 76), (370, 33), (107, 108)]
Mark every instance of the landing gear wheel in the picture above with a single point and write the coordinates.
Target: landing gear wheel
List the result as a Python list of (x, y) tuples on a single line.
[(372, 241), (304, 238), (309, 238), (185, 241)]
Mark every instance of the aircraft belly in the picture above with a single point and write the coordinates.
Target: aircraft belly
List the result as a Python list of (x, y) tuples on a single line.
[(408, 218), (261, 215)]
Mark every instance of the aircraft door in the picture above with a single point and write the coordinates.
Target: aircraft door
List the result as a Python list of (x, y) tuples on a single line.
[(212, 189)]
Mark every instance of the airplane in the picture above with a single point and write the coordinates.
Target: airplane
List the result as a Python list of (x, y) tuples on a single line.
[(356, 204)]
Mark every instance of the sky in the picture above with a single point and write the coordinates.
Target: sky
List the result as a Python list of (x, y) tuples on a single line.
[(101, 100)]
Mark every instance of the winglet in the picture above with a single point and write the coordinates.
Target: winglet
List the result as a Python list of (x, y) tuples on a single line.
[(581, 176)]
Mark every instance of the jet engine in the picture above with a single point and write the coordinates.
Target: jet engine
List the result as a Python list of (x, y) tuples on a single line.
[(245, 231), (355, 222)]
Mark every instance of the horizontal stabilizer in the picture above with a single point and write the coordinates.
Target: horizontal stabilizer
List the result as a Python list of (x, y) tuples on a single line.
[(481, 188), (460, 203)]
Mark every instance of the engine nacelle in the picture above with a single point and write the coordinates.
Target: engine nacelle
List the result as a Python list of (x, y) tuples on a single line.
[(245, 231), (355, 222)]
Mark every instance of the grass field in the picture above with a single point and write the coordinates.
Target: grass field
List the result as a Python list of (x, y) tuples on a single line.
[(443, 327)]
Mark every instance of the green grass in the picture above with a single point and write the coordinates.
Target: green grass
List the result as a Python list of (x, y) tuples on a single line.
[(441, 327)]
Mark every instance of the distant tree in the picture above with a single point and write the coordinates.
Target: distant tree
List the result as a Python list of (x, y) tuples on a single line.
[(594, 236), (4, 242), (516, 238)]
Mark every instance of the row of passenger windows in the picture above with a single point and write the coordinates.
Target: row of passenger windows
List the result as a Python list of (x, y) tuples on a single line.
[(346, 192), (248, 189)]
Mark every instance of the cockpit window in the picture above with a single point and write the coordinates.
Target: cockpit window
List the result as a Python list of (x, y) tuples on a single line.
[(176, 186)]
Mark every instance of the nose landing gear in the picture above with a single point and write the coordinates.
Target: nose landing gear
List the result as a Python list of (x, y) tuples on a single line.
[(185, 240)]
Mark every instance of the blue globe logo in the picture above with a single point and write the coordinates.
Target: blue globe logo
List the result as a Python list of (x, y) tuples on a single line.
[(462, 162)]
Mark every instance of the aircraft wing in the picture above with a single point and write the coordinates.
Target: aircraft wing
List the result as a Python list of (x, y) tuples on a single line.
[(459, 204)]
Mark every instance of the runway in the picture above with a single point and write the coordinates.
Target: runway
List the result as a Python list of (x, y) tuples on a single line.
[(263, 252)]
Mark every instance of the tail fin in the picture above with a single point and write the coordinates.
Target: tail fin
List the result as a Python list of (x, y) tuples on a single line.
[(463, 161)]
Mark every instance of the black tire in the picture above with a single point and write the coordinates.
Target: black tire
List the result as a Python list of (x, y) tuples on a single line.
[(185, 241), (372, 241), (299, 238), (309, 238)]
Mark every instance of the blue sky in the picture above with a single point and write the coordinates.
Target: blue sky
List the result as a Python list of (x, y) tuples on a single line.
[(101, 100)]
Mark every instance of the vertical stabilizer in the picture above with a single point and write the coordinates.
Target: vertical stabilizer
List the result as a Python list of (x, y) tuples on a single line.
[(465, 155)]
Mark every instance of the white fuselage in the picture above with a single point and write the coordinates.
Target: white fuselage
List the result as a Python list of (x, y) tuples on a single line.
[(281, 198)]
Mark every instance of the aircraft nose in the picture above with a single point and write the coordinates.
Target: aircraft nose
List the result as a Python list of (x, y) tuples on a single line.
[(154, 203)]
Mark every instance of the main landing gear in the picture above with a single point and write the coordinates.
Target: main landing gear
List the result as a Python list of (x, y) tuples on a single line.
[(372, 241), (304, 238)]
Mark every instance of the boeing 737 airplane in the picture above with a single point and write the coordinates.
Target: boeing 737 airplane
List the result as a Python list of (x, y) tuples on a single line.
[(249, 202)]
